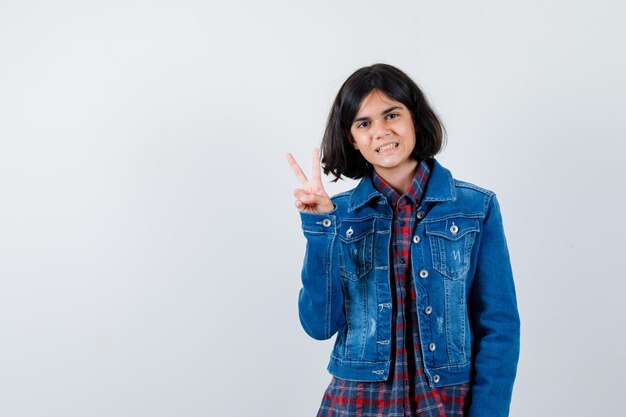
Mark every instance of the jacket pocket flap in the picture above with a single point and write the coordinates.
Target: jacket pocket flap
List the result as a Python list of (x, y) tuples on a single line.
[(452, 228), (353, 230)]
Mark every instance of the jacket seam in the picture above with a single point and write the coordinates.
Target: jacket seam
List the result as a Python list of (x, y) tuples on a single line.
[(329, 305), (465, 184)]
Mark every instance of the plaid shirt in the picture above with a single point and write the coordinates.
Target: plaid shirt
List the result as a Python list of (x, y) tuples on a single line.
[(406, 392)]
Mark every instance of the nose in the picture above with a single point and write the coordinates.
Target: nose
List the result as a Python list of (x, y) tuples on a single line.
[(380, 129)]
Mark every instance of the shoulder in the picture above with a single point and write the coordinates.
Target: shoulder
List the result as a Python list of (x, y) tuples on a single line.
[(444, 182), (468, 187), (458, 194), (467, 191), (343, 196), (356, 197), (342, 200), (363, 186)]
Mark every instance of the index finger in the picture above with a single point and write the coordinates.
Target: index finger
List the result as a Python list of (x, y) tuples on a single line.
[(297, 170)]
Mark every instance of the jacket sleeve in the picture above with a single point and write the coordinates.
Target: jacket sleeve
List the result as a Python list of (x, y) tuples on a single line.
[(320, 302), (495, 322)]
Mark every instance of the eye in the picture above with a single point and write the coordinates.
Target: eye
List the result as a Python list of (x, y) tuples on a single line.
[(362, 124), (392, 115)]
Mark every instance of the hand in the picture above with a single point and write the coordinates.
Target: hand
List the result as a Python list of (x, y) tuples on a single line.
[(312, 197)]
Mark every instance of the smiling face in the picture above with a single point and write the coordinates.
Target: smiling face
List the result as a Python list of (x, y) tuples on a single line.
[(384, 133)]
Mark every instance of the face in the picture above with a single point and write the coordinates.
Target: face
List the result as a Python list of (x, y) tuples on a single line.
[(384, 133)]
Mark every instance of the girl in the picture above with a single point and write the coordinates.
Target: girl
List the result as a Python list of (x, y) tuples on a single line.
[(410, 269)]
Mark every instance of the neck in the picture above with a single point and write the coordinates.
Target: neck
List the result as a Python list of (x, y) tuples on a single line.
[(399, 178)]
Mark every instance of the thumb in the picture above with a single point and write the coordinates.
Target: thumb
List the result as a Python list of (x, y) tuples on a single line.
[(322, 201)]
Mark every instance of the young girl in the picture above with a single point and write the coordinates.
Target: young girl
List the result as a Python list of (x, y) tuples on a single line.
[(410, 269)]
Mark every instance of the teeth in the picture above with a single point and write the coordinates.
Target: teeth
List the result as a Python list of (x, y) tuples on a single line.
[(386, 147)]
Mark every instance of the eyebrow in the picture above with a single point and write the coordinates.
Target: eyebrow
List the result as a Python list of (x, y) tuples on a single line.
[(390, 109)]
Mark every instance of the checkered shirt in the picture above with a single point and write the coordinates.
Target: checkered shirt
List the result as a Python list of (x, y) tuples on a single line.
[(406, 392)]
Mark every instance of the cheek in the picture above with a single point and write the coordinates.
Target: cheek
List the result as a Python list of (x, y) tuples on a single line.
[(358, 140), (409, 133), (364, 150), (354, 136)]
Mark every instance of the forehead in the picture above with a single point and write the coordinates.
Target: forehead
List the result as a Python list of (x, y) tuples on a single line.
[(375, 102)]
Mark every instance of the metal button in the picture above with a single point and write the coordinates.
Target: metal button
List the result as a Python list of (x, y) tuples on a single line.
[(402, 261), (326, 222), (420, 215), (428, 310), (423, 273), (436, 378), (454, 229), (432, 347), (416, 239), (349, 232)]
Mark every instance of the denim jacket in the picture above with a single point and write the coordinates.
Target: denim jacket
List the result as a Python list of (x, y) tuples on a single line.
[(467, 310)]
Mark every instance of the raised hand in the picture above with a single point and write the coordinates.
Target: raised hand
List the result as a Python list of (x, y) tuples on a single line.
[(312, 197)]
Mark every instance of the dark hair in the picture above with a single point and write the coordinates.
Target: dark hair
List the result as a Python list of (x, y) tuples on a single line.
[(339, 156)]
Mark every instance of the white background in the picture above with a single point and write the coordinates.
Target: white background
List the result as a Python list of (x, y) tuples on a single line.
[(149, 248)]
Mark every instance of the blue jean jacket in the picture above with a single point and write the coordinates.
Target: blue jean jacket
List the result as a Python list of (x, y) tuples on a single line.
[(462, 274)]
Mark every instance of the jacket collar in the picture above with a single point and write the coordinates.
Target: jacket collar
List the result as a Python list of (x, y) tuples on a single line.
[(440, 187)]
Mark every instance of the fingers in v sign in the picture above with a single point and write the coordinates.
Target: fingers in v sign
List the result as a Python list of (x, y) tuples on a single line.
[(311, 198)]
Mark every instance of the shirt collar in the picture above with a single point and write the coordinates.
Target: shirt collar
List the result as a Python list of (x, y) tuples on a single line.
[(440, 187), (415, 191)]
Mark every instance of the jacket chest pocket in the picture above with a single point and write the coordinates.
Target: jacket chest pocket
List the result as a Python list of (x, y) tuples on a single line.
[(451, 242), (356, 241)]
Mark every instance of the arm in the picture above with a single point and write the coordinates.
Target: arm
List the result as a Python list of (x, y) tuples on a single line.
[(320, 302), (495, 322)]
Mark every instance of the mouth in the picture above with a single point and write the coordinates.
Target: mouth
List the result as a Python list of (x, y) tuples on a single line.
[(386, 147)]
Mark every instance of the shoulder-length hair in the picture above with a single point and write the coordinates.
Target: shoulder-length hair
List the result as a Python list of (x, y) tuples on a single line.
[(339, 156)]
